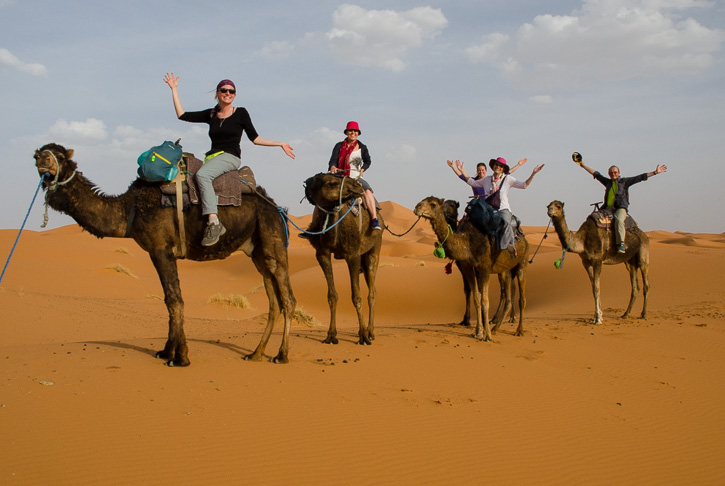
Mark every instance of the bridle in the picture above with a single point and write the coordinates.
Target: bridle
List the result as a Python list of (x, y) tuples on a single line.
[(54, 184)]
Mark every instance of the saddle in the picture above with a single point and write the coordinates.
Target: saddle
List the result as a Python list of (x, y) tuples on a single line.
[(229, 187), (604, 218)]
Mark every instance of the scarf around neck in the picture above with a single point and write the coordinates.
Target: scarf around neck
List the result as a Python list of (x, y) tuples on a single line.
[(343, 161)]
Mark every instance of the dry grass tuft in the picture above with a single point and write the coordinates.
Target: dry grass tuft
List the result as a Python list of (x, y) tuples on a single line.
[(232, 300), (117, 267), (121, 249), (305, 319)]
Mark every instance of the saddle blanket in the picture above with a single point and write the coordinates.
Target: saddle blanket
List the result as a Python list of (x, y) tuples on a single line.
[(228, 187), (604, 219)]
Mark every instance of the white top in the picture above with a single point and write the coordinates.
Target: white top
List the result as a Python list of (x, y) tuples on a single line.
[(356, 163), (487, 184)]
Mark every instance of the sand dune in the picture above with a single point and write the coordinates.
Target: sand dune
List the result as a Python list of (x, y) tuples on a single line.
[(83, 401)]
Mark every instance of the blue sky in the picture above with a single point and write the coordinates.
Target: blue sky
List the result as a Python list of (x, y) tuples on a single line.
[(629, 82)]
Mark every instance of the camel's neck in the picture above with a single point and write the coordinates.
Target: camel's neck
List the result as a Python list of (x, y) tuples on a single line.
[(448, 239), (567, 239), (100, 215)]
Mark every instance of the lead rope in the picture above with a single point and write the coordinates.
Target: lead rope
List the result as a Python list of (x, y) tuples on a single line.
[(22, 226), (439, 252), (542, 240), (560, 262)]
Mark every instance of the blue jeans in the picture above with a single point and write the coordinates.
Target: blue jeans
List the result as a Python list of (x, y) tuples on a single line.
[(213, 168)]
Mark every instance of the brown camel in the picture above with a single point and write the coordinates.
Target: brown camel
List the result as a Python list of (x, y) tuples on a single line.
[(505, 279), (348, 236), (477, 260), (596, 246), (254, 227)]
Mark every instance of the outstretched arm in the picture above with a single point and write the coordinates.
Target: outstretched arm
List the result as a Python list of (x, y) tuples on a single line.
[(173, 83), (271, 143), (519, 164), (588, 169), (536, 170), (453, 166), (660, 169), (459, 166)]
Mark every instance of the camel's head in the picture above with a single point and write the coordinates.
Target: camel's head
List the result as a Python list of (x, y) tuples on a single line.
[(450, 211), (54, 160), (555, 209), (328, 190), (429, 207)]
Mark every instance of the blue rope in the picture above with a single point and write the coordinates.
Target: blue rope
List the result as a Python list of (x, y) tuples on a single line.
[(23, 226), (283, 213)]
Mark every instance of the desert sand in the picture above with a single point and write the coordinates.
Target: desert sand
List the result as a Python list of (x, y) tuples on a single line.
[(83, 401)]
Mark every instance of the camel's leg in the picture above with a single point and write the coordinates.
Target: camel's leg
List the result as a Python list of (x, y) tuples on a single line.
[(325, 262), (286, 300), (594, 270), (634, 287), (469, 276), (175, 351), (353, 266), (644, 268), (371, 261), (505, 300), (521, 277), (512, 318), (272, 315), (484, 278)]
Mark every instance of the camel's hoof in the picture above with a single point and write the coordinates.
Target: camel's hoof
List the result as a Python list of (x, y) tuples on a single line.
[(280, 359), (252, 357), (330, 340), (364, 342), (465, 323), (162, 355), (172, 364)]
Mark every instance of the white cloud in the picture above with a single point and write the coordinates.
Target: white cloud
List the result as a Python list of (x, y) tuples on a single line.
[(403, 154), (91, 128), (614, 39), (276, 50), (9, 59), (381, 38), (542, 99)]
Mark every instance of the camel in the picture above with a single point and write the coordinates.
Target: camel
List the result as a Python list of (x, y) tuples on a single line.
[(505, 279), (477, 261), (595, 246), (351, 239), (254, 227)]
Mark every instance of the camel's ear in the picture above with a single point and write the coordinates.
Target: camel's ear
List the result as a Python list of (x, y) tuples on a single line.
[(69, 154)]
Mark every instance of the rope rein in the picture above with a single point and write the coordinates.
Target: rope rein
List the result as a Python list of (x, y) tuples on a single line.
[(542, 241), (560, 262), (42, 178)]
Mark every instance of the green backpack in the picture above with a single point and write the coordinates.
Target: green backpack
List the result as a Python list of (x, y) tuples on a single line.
[(160, 163)]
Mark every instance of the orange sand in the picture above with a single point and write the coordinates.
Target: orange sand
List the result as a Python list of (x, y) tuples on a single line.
[(83, 401)]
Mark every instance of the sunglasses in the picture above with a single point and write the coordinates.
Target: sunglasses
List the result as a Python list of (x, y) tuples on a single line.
[(227, 90)]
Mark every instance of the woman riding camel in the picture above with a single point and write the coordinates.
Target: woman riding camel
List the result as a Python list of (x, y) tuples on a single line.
[(226, 125)]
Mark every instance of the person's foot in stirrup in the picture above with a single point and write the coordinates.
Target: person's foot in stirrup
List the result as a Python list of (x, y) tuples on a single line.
[(375, 224), (212, 233), (622, 248)]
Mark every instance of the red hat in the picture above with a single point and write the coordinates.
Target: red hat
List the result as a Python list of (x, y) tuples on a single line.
[(225, 82), (352, 125), (499, 161)]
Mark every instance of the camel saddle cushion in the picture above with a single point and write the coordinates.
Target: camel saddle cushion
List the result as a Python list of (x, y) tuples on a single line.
[(604, 218), (228, 187)]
